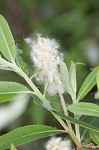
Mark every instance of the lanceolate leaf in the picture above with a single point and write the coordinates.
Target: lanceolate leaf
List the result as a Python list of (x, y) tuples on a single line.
[(66, 78), (20, 61), (88, 84), (95, 136), (97, 79), (73, 77), (7, 45), (78, 122), (85, 132), (13, 147), (82, 108), (55, 103), (9, 89), (26, 134)]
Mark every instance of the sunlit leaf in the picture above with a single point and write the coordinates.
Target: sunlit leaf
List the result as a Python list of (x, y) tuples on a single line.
[(8, 90), (7, 44), (73, 81), (73, 76), (66, 78), (82, 108), (13, 147), (97, 79), (87, 85)]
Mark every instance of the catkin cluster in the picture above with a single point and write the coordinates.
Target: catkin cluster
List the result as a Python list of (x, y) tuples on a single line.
[(46, 56)]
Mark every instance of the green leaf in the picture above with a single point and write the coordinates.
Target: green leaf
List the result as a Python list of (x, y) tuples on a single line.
[(26, 134), (97, 79), (78, 122), (85, 132), (95, 136), (20, 61), (13, 147), (66, 78), (7, 44), (87, 85), (42, 102), (54, 102), (82, 108), (73, 77), (8, 90)]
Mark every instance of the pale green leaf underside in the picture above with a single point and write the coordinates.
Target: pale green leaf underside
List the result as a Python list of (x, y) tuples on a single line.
[(73, 77), (97, 79), (82, 108), (26, 134), (95, 136), (7, 44), (8, 90), (87, 85), (13, 147), (66, 78)]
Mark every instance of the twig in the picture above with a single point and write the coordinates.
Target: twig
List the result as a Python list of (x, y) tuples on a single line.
[(91, 146), (65, 109)]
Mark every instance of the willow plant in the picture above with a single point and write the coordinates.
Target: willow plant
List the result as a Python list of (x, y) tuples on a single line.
[(57, 80)]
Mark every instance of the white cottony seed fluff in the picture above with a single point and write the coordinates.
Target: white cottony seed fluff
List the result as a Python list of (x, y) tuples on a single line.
[(45, 56), (58, 144)]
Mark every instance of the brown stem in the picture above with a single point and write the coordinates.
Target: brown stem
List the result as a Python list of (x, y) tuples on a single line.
[(65, 110), (91, 146)]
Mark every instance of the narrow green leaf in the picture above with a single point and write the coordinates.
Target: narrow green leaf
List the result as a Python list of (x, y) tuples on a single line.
[(78, 122), (8, 90), (13, 147), (26, 134), (87, 85), (95, 136), (97, 79), (66, 78), (82, 108), (7, 44), (85, 135), (73, 77), (54, 102), (20, 61)]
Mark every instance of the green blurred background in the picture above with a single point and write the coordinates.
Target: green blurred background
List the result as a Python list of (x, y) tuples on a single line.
[(73, 23)]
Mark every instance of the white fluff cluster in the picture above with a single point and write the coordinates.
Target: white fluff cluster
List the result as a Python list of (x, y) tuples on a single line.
[(58, 144), (45, 55)]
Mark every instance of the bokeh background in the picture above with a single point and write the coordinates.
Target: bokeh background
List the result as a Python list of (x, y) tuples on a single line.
[(74, 24)]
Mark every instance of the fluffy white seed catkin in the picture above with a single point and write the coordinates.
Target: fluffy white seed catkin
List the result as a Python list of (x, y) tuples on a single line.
[(45, 55), (58, 144)]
